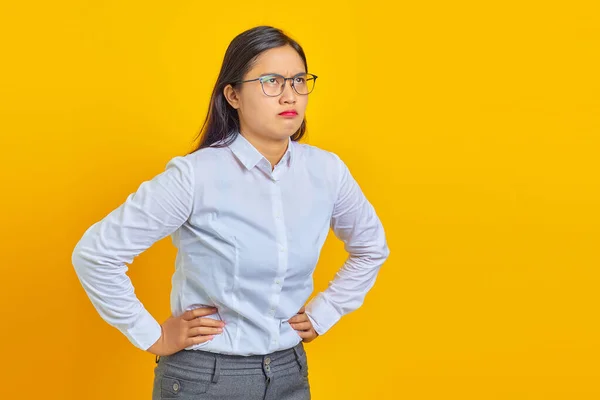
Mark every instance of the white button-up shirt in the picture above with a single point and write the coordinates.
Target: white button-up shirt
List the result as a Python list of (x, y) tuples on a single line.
[(248, 239)]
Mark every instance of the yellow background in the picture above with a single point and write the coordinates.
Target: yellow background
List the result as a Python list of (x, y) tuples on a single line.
[(472, 127)]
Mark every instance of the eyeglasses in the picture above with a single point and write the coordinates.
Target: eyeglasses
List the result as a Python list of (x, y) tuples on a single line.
[(273, 84)]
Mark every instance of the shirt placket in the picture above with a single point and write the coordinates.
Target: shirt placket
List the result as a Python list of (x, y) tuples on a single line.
[(282, 253)]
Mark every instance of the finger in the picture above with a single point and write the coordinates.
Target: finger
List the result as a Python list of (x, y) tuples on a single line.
[(302, 326), (197, 339), (302, 310), (298, 318), (199, 312), (305, 334), (203, 330), (205, 322)]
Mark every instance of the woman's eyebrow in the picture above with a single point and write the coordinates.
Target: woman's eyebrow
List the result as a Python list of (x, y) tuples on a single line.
[(275, 73)]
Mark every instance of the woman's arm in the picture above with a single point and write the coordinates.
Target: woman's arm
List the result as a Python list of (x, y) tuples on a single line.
[(155, 210), (355, 222)]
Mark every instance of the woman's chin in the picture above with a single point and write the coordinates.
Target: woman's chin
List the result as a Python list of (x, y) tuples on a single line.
[(290, 127)]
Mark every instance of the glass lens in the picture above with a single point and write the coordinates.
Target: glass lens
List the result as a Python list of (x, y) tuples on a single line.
[(304, 84), (272, 84)]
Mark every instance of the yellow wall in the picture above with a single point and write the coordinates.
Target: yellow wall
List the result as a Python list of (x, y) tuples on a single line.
[(471, 126)]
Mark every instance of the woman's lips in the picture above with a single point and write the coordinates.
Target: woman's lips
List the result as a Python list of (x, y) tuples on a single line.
[(289, 114)]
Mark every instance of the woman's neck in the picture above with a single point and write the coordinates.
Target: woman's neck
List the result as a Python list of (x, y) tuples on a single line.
[(272, 150)]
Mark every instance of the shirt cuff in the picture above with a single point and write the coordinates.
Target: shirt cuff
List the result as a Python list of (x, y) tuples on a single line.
[(321, 314), (145, 331)]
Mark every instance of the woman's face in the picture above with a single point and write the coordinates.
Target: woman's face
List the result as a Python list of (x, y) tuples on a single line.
[(260, 114)]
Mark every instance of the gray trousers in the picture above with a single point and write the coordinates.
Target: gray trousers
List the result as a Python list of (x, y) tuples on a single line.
[(197, 374)]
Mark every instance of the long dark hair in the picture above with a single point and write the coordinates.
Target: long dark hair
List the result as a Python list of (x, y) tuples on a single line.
[(222, 121)]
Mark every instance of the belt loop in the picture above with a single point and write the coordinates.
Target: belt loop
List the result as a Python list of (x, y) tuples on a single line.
[(297, 353), (215, 378)]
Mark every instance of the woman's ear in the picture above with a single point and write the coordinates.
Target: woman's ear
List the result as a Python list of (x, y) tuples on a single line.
[(231, 96)]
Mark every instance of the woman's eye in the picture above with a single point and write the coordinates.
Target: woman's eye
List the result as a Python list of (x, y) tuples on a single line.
[(300, 80), (270, 80)]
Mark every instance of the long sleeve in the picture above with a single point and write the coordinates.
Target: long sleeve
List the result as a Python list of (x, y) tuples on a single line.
[(355, 222), (158, 208)]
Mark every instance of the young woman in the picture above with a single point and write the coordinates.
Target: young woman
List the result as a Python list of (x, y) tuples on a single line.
[(248, 211)]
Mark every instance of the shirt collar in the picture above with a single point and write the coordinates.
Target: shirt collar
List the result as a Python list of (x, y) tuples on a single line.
[(250, 156)]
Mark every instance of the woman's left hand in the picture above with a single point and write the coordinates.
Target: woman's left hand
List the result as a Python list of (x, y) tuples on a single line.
[(303, 326)]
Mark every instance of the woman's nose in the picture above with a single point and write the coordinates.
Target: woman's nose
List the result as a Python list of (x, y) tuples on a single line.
[(288, 92)]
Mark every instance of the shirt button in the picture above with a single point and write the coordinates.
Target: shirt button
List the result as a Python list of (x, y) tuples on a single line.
[(176, 386), (278, 282), (267, 361)]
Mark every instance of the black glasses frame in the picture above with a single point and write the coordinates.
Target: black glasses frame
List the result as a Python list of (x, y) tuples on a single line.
[(309, 76)]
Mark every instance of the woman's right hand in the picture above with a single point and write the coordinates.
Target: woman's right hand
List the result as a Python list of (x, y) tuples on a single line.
[(186, 330)]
